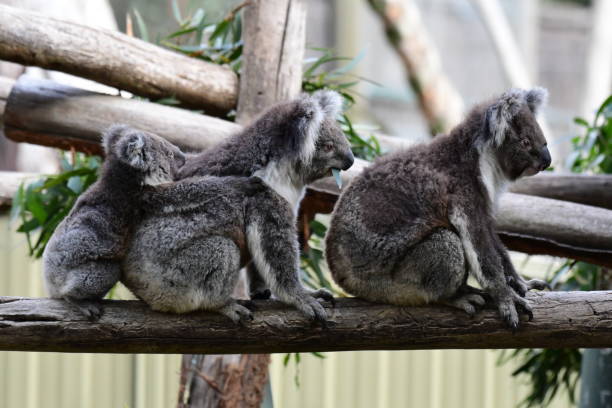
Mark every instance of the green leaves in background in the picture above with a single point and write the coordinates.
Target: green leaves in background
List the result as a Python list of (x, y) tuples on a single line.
[(40, 206)]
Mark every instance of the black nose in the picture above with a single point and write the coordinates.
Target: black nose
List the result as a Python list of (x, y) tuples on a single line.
[(545, 158), (348, 161)]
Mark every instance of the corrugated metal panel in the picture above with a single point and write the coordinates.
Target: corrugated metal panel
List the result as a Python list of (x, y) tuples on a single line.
[(437, 379), (56, 380)]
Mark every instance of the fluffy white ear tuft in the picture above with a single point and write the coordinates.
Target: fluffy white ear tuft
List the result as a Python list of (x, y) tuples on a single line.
[(536, 99), (306, 126), (500, 114), (111, 135), (330, 102)]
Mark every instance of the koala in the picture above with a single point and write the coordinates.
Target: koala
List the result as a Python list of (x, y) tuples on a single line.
[(412, 227), (198, 232), (81, 262), (270, 148)]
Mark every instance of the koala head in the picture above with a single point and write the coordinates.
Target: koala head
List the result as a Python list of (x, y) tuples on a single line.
[(327, 147), (155, 159), (513, 133)]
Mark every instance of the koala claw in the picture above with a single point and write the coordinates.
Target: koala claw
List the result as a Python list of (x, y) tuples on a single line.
[(509, 315), (237, 313), (313, 310), (538, 284), (325, 295), (89, 309)]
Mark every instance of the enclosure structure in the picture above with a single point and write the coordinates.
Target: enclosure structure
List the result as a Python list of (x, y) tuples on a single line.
[(47, 113)]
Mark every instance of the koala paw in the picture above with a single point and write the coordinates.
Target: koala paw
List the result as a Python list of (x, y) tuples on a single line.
[(324, 294), (538, 284), (510, 307), (313, 310), (469, 303), (237, 313), (261, 294), (90, 309), (521, 287)]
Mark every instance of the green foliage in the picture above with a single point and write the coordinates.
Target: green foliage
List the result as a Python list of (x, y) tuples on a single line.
[(41, 205), (593, 150), (551, 370), (218, 42)]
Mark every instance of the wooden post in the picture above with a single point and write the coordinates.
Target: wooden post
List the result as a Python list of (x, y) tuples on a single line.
[(274, 40)]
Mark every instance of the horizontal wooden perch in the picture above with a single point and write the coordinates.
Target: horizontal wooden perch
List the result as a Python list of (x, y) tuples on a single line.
[(114, 59), (561, 319)]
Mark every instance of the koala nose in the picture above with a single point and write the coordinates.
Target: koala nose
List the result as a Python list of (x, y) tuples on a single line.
[(348, 161), (545, 158)]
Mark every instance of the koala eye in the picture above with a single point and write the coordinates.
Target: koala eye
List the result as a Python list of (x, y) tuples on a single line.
[(328, 147), (525, 143)]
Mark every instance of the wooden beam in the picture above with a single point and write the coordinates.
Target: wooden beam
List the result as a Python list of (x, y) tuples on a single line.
[(115, 59), (595, 190), (45, 112), (561, 319)]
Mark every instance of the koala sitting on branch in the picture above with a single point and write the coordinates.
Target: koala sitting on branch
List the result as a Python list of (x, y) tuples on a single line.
[(197, 233), (81, 262), (270, 148), (412, 226)]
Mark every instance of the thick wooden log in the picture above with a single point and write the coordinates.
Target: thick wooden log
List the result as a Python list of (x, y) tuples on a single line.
[(115, 59), (48, 113), (561, 319), (595, 190)]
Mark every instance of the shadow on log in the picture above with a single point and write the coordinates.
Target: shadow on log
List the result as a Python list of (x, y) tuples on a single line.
[(561, 319)]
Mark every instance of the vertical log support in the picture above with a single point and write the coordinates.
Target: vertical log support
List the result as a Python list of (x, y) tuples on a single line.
[(274, 33)]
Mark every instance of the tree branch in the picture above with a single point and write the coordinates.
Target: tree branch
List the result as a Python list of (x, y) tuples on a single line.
[(561, 319), (115, 59)]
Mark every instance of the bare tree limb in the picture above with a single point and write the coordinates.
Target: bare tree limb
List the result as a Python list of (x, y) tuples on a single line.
[(439, 100), (115, 59), (561, 319)]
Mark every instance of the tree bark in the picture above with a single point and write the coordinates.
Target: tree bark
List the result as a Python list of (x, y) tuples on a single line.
[(115, 59), (439, 100), (561, 319), (45, 112), (595, 190)]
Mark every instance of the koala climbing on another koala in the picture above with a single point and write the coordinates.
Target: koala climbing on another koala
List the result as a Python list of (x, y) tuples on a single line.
[(81, 262), (270, 148), (411, 227), (197, 233)]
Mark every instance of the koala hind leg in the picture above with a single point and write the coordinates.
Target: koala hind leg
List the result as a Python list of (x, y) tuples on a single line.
[(436, 268)]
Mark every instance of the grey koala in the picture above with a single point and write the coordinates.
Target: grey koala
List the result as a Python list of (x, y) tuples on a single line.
[(269, 148), (197, 233), (81, 262), (411, 227)]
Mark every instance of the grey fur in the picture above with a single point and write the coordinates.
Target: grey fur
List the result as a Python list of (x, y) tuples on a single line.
[(274, 139), (197, 233), (410, 229), (82, 259)]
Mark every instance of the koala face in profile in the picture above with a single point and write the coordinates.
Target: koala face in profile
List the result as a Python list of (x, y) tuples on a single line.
[(520, 147), (332, 149), (154, 157)]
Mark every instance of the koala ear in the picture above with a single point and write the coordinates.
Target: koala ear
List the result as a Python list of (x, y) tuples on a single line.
[(132, 150), (536, 99), (330, 102), (499, 115), (304, 127), (111, 135)]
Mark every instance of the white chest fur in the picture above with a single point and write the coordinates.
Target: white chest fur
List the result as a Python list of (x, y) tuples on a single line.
[(279, 177), (492, 176)]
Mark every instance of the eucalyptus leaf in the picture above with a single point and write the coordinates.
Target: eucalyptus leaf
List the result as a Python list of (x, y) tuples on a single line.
[(336, 174)]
